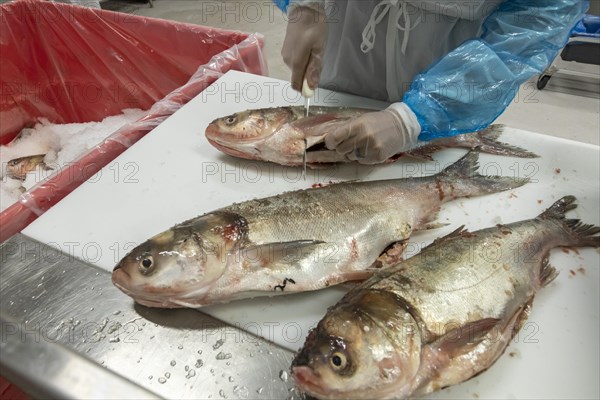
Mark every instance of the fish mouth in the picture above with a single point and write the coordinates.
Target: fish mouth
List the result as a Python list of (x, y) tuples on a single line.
[(248, 152), (309, 382), (213, 132), (145, 300), (119, 279)]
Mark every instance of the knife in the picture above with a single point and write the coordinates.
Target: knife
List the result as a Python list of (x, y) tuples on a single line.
[(307, 93)]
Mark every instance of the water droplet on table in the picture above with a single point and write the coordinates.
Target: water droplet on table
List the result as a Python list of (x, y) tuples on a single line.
[(283, 375)]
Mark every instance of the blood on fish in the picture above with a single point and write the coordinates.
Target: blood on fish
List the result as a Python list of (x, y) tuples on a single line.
[(354, 250), (438, 186)]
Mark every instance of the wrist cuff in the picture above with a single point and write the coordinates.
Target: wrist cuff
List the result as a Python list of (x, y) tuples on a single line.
[(408, 119)]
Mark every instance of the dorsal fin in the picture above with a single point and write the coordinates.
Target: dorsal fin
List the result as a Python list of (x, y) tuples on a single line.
[(460, 231)]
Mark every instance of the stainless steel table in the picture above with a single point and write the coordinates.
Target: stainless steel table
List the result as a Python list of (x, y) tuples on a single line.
[(67, 332)]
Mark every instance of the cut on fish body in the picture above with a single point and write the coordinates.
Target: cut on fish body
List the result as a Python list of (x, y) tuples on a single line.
[(296, 241), (440, 317), (281, 135)]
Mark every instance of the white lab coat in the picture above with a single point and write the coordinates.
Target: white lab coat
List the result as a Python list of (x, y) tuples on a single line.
[(409, 36)]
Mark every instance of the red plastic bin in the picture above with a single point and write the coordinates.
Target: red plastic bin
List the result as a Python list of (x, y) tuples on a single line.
[(73, 64)]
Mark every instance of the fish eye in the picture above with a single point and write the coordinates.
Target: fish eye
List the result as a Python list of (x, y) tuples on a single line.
[(338, 361), (146, 265), (230, 120)]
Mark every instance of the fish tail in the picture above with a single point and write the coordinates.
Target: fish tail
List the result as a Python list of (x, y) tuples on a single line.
[(485, 140), (580, 234), (462, 179), (489, 143)]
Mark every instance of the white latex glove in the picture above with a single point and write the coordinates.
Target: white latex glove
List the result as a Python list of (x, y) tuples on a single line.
[(304, 43), (374, 137)]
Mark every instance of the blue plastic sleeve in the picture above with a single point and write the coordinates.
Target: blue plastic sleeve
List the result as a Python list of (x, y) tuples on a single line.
[(471, 86), (282, 4)]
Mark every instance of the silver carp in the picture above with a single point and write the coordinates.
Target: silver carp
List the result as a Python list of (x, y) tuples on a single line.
[(296, 241), (18, 168), (278, 135), (440, 317)]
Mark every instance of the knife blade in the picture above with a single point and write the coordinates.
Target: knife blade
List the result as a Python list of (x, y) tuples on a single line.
[(307, 92), (306, 106)]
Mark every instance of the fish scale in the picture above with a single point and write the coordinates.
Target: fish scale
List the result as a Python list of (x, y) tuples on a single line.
[(289, 220)]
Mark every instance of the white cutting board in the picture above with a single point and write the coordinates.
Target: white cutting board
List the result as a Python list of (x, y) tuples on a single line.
[(173, 174)]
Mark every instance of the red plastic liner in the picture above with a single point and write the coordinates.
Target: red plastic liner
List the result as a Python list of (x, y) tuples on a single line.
[(75, 64)]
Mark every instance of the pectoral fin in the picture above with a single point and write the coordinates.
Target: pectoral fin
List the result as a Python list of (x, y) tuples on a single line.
[(458, 355), (276, 255), (463, 339), (466, 351)]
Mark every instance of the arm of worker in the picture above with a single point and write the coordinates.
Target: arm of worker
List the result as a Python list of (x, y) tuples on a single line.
[(467, 89), (305, 40), (471, 86)]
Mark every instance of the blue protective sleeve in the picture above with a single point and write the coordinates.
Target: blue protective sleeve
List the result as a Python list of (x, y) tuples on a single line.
[(282, 4), (471, 86)]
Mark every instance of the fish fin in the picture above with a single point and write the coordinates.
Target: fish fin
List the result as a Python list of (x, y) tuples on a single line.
[(488, 143), (466, 166), (461, 231), (275, 255), (472, 183), (580, 234), (464, 339), (420, 153), (559, 208), (350, 285), (319, 125), (520, 317), (547, 273), (486, 140), (451, 363), (435, 225), (314, 143), (185, 303)]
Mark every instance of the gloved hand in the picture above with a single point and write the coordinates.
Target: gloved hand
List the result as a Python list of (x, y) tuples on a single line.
[(304, 43), (374, 137)]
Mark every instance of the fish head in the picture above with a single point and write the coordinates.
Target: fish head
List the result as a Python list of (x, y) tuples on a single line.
[(239, 134), (352, 355), (175, 268)]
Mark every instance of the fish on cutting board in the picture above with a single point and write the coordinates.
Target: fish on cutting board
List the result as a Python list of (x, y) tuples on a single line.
[(281, 135), (296, 241), (440, 317)]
